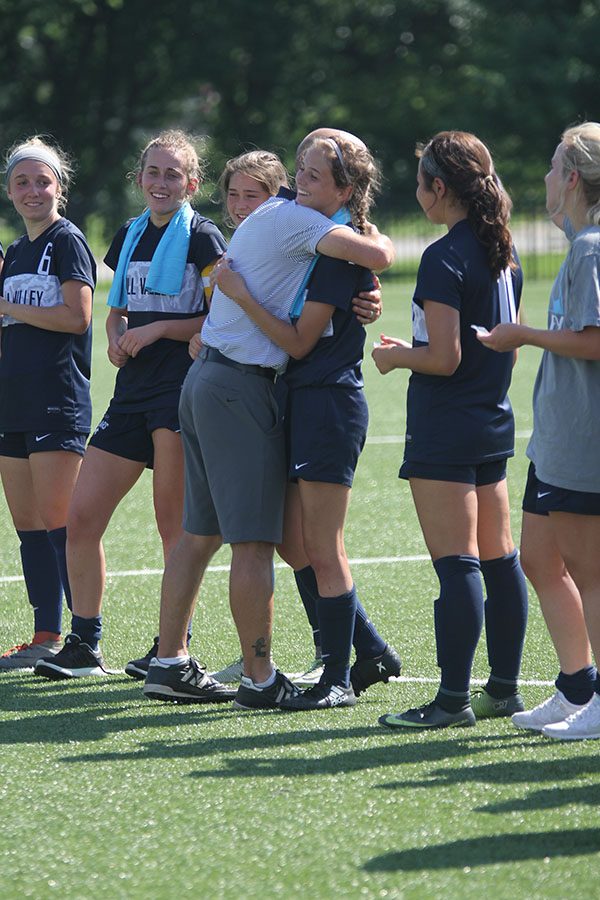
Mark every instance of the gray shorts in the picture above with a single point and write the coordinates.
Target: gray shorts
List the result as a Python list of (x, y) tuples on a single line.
[(235, 475)]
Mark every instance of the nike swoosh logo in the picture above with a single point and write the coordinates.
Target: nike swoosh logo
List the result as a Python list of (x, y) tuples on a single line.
[(299, 466), (545, 494), (42, 437)]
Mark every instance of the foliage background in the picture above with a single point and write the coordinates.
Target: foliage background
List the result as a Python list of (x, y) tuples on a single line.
[(103, 75)]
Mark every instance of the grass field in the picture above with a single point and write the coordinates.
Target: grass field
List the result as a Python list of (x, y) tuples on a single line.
[(107, 795)]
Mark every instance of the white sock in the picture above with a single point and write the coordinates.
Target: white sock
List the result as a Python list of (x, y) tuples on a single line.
[(265, 684), (172, 660)]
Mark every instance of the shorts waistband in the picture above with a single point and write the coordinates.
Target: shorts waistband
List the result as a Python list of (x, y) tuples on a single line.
[(213, 355)]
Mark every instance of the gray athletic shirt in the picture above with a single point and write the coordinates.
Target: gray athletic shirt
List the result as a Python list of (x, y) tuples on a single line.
[(565, 444), (272, 249)]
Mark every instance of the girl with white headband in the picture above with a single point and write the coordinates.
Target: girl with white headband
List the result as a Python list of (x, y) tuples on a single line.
[(45, 407)]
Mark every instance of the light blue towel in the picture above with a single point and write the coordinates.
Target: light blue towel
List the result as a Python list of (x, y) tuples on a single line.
[(342, 217), (167, 268)]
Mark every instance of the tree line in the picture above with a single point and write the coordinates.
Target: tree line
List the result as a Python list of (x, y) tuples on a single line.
[(103, 75)]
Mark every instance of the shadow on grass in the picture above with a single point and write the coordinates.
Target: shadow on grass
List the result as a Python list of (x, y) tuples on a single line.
[(485, 851), (588, 795), (521, 771)]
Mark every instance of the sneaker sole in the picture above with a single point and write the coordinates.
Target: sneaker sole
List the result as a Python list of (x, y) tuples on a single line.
[(535, 728), (168, 695), (571, 737), (415, 726), (237, 705), (56, 673)]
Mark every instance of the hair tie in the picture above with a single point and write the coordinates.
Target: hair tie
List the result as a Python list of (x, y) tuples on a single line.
[(489, 179)]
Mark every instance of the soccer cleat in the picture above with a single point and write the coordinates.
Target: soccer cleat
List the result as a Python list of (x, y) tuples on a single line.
[(75, 660), (138, 668), (431, 715), (555, 709), (187, 683), (366, 672), (579, 726), (312, 675), (321, 696), (249, 696), (231, 674), (487, 707), (25, 656)]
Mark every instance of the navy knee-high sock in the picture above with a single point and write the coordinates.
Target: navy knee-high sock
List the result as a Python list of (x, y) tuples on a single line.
[(367, 641), (336, 623), (42, 580), (306, 582), (505, 621), (89, 631), (458, 616), (58, 539)]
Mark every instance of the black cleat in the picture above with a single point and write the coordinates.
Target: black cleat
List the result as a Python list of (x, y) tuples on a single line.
[(187, 683), (431, 715), (138, 668), (251, 697), (321, 696), (366, 672), (75, 660)]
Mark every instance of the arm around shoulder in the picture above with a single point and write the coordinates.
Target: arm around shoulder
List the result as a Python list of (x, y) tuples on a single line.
[(373, 250)]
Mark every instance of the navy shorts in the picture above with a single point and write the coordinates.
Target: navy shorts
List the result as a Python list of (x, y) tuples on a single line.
[(478, 474), (21, 444), (129, 435), (541, 498), (326, 429)]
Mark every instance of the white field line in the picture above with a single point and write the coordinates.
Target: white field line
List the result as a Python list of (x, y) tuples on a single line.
[(132, 573)]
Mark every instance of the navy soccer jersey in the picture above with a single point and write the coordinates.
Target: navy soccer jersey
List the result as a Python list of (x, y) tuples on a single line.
[(45, 375), (337, 356), (153, 378), (465, 417)]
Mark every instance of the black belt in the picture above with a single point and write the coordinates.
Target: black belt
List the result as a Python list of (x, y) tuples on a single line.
[(213, 355)]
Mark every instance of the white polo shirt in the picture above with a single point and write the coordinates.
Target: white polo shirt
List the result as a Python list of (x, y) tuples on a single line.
[(272, 249)]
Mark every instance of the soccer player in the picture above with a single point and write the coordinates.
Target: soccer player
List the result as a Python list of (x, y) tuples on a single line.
[(561, 507), (235, 472), (45, 409), (326, 421), (460, 429), (158, 300)]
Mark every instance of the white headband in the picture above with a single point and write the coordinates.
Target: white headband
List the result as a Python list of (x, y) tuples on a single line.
[(39, 154)]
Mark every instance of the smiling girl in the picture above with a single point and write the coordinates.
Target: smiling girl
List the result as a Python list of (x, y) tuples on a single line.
[(158, 300), (45, 408)]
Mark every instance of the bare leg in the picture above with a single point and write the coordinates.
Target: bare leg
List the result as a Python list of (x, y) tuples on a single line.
[(182, 578), (251, 599), (448, 514), (559, 597), (324, 508), (104, 480), (578, 539), (168, 487), (494, 536)]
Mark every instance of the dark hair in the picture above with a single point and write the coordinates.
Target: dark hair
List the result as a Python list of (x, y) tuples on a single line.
[(465, 165)]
